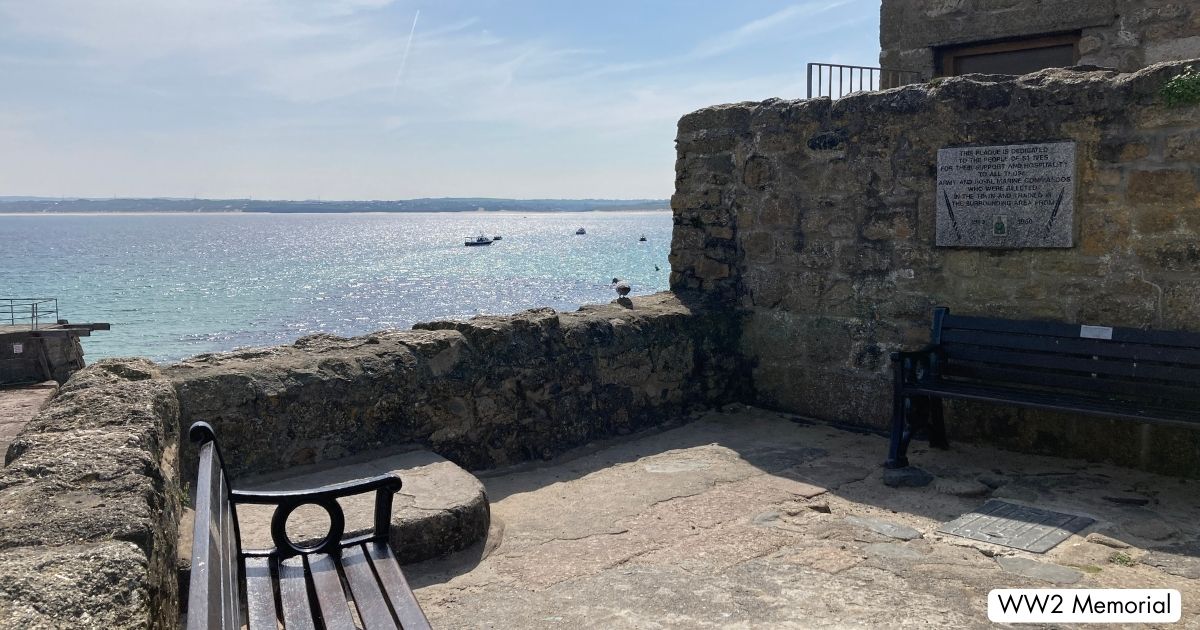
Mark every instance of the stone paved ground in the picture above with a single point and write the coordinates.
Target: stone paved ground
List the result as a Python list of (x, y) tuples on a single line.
[(747, 519), (18, 406)]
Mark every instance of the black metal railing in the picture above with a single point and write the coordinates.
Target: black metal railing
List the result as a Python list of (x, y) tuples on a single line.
[(32, 311), (837, 80)]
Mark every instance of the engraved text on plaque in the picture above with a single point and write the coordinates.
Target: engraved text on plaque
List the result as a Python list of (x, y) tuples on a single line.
[(1017, 195)]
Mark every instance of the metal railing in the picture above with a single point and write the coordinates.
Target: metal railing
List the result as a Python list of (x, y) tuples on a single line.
[(837, 80), (18, 311)]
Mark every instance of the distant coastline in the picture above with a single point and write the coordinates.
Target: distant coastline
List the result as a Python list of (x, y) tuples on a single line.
[(47, 205)]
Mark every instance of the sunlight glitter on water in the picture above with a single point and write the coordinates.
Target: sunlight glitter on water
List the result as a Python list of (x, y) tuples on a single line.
[(176, 285)]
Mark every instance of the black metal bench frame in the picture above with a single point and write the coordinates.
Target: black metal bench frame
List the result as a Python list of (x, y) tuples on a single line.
[(1150, 376), (302, 586)]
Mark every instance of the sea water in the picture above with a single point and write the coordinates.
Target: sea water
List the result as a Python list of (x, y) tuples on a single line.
[(176, 285)]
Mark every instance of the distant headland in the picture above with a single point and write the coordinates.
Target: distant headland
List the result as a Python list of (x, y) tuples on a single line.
[(12, 205)]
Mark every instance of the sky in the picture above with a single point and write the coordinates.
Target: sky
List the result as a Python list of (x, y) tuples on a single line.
[(388, 99)]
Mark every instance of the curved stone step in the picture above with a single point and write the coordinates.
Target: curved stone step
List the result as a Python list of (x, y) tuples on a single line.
[(441, 508)]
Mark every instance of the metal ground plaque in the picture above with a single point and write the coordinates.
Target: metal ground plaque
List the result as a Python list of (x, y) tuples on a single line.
[(1008, 196), (1018, 526)]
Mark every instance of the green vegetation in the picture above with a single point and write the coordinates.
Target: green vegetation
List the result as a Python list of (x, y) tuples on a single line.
[(1122, 559), (1182, 89)]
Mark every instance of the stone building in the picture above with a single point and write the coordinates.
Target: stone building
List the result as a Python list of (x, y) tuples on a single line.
[(953, 37)]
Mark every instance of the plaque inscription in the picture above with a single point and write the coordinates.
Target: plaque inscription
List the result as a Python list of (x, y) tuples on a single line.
[(1007, 196)]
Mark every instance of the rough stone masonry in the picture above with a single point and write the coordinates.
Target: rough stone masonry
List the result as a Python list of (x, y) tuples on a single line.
[(1125, 35), (817, 218)]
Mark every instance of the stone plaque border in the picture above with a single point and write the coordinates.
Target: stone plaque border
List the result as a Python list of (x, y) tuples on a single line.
[(1006, 196)]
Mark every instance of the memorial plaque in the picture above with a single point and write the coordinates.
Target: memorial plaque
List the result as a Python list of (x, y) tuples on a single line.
[(1016, 195)]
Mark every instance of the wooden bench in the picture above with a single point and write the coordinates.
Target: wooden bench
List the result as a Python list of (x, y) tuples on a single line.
[(1145, 375), (300, 586)]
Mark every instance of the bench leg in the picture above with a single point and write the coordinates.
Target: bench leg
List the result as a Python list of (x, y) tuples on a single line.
[(937, 425), (898, 443)]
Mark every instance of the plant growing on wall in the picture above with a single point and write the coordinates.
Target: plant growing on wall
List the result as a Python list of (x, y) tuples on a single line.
[(1182, 89)]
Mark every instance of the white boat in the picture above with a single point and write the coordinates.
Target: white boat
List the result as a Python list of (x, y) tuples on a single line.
[(581, 231), (478, 240), (643, 239)]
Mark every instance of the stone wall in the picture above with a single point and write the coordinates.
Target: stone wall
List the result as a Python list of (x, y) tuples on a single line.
[(482, 393), (43, 357), (1126, 35), (90, 503), (816, 218)]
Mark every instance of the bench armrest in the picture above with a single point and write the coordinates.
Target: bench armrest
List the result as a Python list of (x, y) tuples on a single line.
[(916, 365), (913, 354), (286, 502), (390, 483)]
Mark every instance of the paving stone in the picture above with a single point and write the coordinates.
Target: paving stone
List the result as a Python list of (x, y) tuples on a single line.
[(1084, 554), (767, 519), (1039, 570), (1107, 541), (961, 487), (827, 473), (894, 551), (1014, 491), (1146, 524), (1128, 499), (600, 542), (993, 480), (798, 488), (907, 477), (891, 530), (1182, 559)]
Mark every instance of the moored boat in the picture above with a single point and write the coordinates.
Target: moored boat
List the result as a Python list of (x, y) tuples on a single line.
[(478, 240), (581, 231)]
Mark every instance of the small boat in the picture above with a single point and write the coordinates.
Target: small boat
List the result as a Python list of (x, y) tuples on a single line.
[(643, 239), (581, 231), (478, 240), (497, 237)]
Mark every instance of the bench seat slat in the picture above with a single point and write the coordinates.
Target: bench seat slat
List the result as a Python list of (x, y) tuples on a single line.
[(1124, 369), (1079, 346), (331, 598), (368, 597), (1058, 402), (1171, 338), (300, 588), (232, 588), (396, 588), (1074, 384), (293, 594), (260, 594)]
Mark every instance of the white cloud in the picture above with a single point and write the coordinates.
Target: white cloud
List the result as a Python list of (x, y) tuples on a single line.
[(285, 88)]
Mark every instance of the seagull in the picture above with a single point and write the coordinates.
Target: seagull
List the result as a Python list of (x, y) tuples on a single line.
[(622, 287)]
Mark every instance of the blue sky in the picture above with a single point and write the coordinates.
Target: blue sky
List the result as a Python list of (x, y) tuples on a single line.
[(332, 99)]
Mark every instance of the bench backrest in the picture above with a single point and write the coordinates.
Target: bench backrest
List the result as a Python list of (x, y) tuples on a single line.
[(214, 595), (1160, 368)]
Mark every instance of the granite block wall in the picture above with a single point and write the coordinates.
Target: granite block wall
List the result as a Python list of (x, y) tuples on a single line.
[(816, 219), (90, 501), (487, 392)]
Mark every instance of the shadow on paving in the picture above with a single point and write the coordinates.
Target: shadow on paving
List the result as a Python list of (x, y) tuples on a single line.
[(823, 463)]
